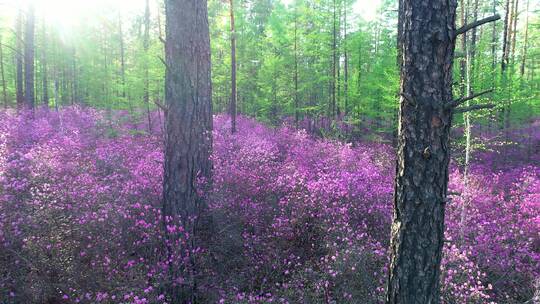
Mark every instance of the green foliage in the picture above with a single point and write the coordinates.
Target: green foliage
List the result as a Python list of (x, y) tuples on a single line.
[(275, 42)]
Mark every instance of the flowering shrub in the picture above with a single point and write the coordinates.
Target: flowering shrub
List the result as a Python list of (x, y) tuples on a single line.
[(297, 220)]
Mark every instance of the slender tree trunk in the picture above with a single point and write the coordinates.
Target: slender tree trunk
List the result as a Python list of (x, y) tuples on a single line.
[(45, 80), (233, 68), (74, 78), (514, 29), (296, 109), (469, 58), (146, 47), (338, 62), (525, 42), (504, 60), (3, 76), (334, 62), (492, 116), (19, 55), (346, 62), (463, 59), (29, 58), (423, 152), (122, 56), (188, 139)]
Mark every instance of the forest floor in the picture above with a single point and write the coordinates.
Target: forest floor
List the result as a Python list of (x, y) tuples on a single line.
[(299, 219)]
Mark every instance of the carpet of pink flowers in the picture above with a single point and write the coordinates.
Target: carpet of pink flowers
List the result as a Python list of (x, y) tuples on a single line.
[(298, 219)]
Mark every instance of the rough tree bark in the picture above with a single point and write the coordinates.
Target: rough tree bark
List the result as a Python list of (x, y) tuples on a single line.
[(233, 68), (29, 52), (426, 42), (188, 134)]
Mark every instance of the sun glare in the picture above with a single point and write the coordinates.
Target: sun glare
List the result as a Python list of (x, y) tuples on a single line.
[(66, 14)]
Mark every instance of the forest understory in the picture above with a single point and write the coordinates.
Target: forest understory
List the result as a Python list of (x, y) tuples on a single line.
[(298, 219)]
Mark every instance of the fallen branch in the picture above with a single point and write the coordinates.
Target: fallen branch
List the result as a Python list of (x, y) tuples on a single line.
[(460, 101), (477, 23), (473, 108)]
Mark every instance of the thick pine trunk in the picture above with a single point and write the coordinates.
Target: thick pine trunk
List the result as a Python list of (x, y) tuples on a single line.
[(427, 45), (29, 52), (188, 134)]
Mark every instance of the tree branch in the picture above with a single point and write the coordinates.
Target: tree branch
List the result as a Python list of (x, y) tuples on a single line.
[(161, 106), (473, 108), (460, 101), (13, 49), (477, 23), (164, 63)]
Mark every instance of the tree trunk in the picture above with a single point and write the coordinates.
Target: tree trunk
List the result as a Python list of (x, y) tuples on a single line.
[(469, 58), (146, 46), (188, 137), (525, 42), (296, 109), (514, 29), (427, 46), (29, 51), (493, 62), (463, 58), (122, 57), (233, 68), (3, 76), (346, 62), (44, 76), (504, 60), (334, 63), (74, 78), (19, 55)]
